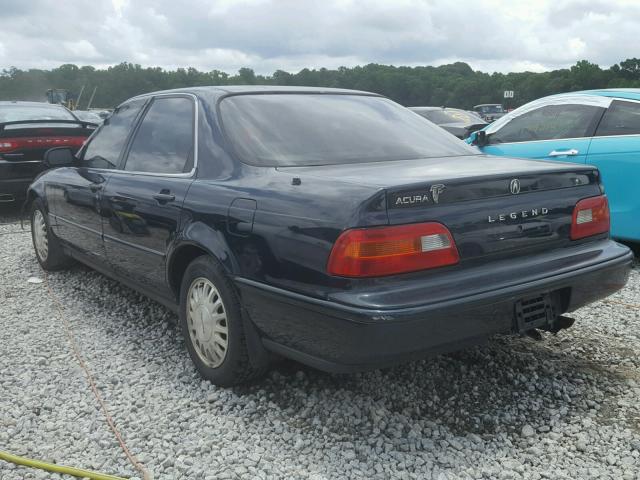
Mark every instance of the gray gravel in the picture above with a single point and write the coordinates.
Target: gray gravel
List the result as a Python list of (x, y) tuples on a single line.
[(565, 407)]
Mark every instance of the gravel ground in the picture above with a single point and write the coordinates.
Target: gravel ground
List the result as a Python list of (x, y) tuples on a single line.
[(565, 407)]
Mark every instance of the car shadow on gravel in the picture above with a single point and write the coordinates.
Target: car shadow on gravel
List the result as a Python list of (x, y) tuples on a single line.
[(497, 387), (9, 213)]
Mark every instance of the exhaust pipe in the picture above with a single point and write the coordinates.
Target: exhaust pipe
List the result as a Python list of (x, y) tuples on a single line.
[(561, 323)]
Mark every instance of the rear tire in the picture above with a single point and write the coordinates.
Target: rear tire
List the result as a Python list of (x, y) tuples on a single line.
[(46, 245), (213, 327)]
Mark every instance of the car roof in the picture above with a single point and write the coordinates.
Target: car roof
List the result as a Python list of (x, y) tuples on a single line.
[(29, 104), (223, 90), (628, 93), (431, 109)]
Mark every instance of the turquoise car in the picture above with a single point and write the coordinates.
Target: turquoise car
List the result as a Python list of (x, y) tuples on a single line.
[(598, 127)]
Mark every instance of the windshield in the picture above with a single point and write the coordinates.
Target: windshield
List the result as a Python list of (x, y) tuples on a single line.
[(14, 113), (441, 117), (328, 129)]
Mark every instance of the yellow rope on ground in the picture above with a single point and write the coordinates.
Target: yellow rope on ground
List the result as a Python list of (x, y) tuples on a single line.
[(618, 302), (52, 467), (146, 475)]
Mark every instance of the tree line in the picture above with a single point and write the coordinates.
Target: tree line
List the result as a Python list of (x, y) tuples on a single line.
[(453, 85)]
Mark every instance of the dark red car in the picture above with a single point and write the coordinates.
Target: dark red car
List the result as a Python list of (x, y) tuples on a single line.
[(27, 130)]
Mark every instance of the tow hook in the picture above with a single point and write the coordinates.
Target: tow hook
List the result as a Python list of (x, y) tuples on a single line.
[(561, 323)]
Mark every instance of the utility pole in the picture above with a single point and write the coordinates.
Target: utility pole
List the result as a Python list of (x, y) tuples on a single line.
[(91, 99), (79, 97)]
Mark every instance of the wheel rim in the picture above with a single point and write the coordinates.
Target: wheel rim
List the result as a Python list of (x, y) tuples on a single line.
[(40, 239), (207, 322)]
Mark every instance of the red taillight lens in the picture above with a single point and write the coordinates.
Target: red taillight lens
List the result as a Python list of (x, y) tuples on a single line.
[(590, 217), (378, 251), (11, 144)]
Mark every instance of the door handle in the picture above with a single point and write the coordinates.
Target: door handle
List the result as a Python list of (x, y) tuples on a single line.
[(563, 153), (164, 197), (94, 187)]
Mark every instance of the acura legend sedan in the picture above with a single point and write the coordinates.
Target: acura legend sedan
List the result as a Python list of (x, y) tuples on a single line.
[(333, 227)]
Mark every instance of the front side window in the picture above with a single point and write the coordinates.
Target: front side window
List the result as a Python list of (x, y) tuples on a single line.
[(106, 144), (328, 129), (622, 118), (548, 123), (164, 141)]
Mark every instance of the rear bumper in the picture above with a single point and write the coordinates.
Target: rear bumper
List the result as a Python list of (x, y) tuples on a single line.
[(341, 334), (14, 189), (15, 178)]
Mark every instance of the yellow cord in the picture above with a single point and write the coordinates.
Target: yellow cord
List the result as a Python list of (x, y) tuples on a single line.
[(52, 467)]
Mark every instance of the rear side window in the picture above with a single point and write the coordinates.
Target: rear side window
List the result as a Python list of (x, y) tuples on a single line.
[(622, 118), (328, 129), (106, 145), (550, 123), (164, 140)]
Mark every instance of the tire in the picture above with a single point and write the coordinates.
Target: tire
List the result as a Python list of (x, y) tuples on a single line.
[(214, 329), (46, 245)]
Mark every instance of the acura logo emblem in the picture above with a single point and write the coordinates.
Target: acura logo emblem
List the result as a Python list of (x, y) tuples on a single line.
[(514, 186), (436, 190)]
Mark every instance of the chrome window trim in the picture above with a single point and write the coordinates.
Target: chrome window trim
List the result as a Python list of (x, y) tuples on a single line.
[(196, 116), (572, 138), (539, 141)]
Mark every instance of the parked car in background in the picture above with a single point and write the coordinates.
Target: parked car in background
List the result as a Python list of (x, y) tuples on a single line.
[(455, 121), (89, 116), (489, 111), (27, 131), (597, 127), (101, 112), (330, 226)]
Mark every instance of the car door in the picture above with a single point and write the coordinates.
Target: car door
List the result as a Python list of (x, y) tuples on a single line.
[(143, 199), (615, 150), (560, 131), (75, 193)]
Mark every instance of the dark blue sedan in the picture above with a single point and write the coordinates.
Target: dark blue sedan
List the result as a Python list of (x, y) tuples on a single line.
[(332, 227)]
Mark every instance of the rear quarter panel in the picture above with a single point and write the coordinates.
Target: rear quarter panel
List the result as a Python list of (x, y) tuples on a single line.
[(618, 159)]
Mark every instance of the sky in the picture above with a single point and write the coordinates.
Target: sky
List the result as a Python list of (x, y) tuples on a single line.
[(267, 35)]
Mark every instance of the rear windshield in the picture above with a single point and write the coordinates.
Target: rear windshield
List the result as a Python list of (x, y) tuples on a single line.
[(441, 117), (490, 109), (328, 129), (14, 113)]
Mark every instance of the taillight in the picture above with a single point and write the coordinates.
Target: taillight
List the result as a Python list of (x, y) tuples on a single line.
[(590, 217), (11, 144), (378, 251)]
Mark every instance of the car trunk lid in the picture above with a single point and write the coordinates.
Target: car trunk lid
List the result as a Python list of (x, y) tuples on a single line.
[(29, 140), (491, 205)]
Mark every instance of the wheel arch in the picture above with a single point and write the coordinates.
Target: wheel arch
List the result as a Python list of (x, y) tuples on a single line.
[(198, 239)]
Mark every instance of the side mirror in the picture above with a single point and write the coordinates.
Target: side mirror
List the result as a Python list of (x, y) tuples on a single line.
[(478, 138), (58, 157)]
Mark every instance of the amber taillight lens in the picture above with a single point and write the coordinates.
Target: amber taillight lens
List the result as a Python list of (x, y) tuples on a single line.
[(380, 251)]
